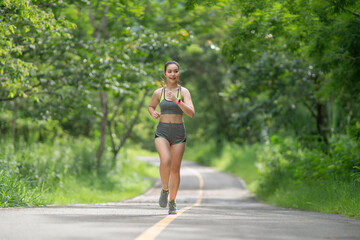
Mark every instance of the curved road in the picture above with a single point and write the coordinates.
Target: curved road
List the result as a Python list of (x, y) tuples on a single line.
[(213, 206)]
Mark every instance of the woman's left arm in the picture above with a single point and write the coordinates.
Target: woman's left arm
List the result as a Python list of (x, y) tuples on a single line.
[(186, 104)]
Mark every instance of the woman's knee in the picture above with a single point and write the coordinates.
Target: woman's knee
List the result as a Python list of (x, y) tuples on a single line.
[(175, 169), (165, 162)]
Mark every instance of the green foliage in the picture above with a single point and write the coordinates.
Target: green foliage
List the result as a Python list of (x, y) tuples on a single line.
[(190, 4), (131, 178), (71, 65), (47, 164), (21, 24), (284, 160), (329, 196), (288, 58), (356, 174), (204, 154), (286, 173), (239, 160), (232, 158), (94, 189), (206, 75), (16, 192), (254, 68), (63, 172)]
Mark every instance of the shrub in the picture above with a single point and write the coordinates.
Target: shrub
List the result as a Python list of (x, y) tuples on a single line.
[(286, 159)]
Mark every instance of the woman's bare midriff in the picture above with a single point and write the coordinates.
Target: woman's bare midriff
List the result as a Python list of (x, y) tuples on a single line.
[(171, 118)]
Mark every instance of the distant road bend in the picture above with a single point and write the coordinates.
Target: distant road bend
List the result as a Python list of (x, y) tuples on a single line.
[(213, 206)]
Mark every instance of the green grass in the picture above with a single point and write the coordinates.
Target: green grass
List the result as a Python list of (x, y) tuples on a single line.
[(131, 179), (237, 160), (135, 151), (327, 196), (62, 172), (15, 192), (93, 189)]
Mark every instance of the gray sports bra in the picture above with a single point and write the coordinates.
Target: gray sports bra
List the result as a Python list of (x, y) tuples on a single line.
[(169, 107)]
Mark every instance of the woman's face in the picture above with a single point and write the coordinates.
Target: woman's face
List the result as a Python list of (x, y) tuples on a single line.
[(172, 74)]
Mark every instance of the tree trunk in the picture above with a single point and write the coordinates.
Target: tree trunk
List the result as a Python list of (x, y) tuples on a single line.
[(320, 121), (102, 25), (13, 121), (129, 130), (97, 34), (102, 128), (319, 115)]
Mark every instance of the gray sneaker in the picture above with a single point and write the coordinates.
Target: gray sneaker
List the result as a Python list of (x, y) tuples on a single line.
[(163, 200), (172, 207)]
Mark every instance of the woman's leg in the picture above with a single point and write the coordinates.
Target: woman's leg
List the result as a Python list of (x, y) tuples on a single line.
[(163, 147), (177, 152)]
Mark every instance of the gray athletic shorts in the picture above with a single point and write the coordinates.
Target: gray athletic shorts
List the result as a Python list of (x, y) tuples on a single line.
[(173, 132)]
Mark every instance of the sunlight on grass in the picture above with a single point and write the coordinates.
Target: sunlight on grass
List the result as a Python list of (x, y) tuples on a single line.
[(326, 195), (232, 158), (132, 178), (62, 172), (77, 191)]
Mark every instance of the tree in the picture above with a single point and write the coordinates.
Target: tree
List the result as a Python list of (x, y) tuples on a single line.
[(22, 23), (298, 53)]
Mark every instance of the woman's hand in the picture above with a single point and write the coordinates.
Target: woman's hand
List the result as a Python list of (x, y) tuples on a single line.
[(155, 115), (171, 96)]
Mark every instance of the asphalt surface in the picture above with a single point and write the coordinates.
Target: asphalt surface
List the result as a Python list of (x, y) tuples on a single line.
[(224, 210)]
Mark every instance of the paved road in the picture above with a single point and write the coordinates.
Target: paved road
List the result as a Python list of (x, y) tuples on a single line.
[(214, 206)]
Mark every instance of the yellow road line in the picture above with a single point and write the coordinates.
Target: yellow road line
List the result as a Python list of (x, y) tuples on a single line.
[(152, 232)]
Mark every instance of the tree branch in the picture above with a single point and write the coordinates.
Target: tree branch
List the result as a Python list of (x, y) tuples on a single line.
[(17, 95), (351, 11), (310, 109), (118, 103), (8, 99), (93, 23), (91, 16), (111, 136), (103, 100), (127, 134), (97, 7), (103, 21), (47, 4)]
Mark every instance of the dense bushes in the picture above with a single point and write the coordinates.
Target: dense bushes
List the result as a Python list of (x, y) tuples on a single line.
[(46, 164), (287, 160), (291, 173), (63, 172), (228, 157), (15, 192)]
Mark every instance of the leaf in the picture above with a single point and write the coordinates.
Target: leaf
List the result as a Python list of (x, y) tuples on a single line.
[(11, 27)]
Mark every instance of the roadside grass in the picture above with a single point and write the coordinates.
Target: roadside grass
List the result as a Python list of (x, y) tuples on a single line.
[(204, 154), (137, 151), (231, 158), (16, 192), (62, 172), (132, 178), (327, 195), (239, 161), (94, 189)]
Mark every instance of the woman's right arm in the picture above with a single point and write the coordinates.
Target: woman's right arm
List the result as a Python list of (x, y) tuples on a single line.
[(154, 102)]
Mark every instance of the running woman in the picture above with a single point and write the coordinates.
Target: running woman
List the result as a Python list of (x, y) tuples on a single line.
[(170, 136)]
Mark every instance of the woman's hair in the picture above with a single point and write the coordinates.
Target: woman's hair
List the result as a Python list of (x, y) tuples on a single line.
[(167, 64), (171, 62)]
